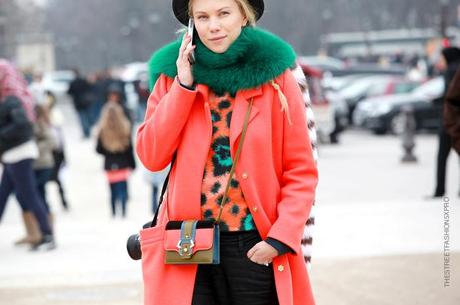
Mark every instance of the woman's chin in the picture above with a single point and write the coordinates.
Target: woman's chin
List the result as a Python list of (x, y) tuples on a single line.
[(218, 48)]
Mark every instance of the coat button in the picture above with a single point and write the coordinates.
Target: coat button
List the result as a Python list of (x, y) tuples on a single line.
[(255, 209), (244, 176), (280, 268)]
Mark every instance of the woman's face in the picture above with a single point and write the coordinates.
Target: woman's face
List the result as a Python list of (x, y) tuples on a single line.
[(218, 23)]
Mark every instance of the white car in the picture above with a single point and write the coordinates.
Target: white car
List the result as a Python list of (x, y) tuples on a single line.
[(57, 82)]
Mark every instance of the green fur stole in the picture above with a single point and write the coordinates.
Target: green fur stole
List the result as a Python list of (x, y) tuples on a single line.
[(253, 59)]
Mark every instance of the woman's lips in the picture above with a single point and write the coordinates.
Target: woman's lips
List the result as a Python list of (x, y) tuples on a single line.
[(217, 39)]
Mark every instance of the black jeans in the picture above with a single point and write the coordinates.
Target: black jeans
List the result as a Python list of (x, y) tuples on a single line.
[(237, 280), (445, 145)]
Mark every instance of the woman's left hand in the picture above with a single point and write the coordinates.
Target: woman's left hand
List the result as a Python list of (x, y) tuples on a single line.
[(262, 253)]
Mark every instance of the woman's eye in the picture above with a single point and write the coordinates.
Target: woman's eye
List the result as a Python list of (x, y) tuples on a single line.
[(202, 17), (224, 13)]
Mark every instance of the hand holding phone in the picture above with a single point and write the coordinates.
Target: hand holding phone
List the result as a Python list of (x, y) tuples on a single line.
[(190, 31), (185, 59)]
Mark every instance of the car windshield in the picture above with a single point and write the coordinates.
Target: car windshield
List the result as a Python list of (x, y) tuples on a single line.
[(405, 87), (432, 88)]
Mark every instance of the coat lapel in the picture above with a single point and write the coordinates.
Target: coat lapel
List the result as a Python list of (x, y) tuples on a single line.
[(239, 112)]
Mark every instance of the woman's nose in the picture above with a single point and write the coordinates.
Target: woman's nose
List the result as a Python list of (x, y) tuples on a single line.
[(214, 25)]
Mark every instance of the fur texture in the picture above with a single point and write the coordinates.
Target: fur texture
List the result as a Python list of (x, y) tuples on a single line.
[(255, 58)]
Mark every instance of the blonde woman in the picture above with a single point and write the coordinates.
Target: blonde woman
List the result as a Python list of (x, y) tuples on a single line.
[(114, 143), (196, 113)]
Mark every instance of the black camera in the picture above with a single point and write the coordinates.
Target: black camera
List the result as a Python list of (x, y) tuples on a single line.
[(134, 244), (134, 247)]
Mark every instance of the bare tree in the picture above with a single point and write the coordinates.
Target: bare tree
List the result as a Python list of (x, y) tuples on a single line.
[(93, 34)]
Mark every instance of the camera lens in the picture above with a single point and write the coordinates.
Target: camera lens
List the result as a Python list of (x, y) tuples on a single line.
[(134, 247)]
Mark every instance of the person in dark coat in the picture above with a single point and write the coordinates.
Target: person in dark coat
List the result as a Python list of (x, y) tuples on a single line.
[(452, 58), (17, 153), (452, 111), (83, 98)]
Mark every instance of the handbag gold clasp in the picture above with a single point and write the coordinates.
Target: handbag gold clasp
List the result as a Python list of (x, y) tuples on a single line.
[(185, 247), (186, 243)]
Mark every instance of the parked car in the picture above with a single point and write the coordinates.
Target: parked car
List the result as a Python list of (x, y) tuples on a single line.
[(129, 74), (371, 68), (383, 114), (340, 82), (372, 86), (334, 67), (57, 82), (322, 63), (330, 109)]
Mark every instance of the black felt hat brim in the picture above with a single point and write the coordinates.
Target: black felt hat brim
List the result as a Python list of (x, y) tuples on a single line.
[(180, 8)]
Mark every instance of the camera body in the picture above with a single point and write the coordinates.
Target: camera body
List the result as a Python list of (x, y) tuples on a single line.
[(133, 245)]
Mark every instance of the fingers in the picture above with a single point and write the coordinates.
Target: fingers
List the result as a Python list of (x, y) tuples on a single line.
[(187, 51), (256, 255), (252, 251), (185, 42), (186, 46), (184, 51)]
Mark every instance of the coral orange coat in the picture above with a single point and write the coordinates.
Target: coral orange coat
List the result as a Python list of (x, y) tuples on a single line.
[(276, 171)]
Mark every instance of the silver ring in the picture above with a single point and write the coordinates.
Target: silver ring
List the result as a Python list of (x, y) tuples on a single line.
[(266, 264)]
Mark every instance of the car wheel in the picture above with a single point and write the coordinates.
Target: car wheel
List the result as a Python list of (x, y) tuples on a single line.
[(398, 124), (380, 131)]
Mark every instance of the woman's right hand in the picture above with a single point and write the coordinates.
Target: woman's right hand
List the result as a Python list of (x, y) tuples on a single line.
[(184, 68)]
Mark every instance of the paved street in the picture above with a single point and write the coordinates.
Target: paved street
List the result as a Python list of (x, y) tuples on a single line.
[(377, 241)]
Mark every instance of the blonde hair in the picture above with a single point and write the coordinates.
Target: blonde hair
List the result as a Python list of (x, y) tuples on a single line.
[(114, 128), (245, 7)]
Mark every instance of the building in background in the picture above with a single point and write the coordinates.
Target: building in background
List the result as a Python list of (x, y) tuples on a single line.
[(35, 52), (23, 38), (387, 42)]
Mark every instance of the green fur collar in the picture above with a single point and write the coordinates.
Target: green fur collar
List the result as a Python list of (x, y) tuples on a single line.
[(255, 58)]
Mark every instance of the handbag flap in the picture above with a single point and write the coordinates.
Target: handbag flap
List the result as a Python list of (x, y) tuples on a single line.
[(204, 239)]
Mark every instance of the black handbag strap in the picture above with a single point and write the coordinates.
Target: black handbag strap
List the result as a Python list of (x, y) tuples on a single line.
[(232, 171), (163, 191)]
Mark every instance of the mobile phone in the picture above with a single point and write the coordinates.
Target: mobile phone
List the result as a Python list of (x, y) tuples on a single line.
[(190, 31)]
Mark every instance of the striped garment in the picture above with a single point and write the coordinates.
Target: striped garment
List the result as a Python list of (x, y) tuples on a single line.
[(12, 82), (307, 238)]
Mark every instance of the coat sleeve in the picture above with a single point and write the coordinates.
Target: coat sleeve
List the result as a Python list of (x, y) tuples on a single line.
[(18, 122), (300, 176), (99, 147), (168, 108), (45, 138)]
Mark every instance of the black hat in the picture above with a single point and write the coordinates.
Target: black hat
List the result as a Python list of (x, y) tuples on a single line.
[(115, 88), (180, 8), (451, 54)]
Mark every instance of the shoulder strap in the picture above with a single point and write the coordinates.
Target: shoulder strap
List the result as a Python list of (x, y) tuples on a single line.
[(163, 191), (237, 157)]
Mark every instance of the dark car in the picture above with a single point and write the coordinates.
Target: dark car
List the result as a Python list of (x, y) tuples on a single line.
[(383, 114), (372, 86)]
